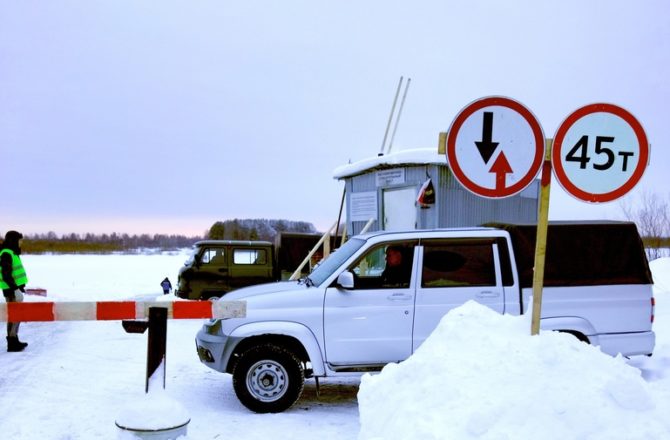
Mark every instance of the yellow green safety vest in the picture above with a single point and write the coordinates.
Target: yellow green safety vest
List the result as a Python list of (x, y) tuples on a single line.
[(18, 272)]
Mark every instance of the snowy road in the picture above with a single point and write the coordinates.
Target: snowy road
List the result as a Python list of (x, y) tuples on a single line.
[(75, 377)]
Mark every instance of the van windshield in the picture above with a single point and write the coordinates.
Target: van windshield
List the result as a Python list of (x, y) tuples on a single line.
[(335, 260)]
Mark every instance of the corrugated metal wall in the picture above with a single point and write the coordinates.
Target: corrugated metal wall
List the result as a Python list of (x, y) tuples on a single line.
[(459, 207), (454, 205)]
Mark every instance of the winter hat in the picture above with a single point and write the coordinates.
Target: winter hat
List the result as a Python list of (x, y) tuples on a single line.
[(13, 235), (12, 240)]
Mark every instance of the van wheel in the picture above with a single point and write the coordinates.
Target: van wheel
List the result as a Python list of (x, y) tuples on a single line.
[(268, 378)]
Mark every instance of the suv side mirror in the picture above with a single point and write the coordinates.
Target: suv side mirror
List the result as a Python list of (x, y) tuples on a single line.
[(346, 280)]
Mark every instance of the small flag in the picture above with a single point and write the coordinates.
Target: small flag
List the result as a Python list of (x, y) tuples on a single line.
[(426, 194)]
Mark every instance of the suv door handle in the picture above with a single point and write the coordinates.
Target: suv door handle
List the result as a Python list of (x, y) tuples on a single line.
[(399, 296), (488, 294)]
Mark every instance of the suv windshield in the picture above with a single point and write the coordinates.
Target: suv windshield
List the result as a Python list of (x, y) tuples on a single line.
[(335, 260)]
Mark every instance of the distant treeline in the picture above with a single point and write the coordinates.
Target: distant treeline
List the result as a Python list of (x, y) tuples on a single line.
[(102, 243), (256, 229), (236, 229)]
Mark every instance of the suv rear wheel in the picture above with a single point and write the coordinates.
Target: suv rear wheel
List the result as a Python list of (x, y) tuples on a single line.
[(268, 378)]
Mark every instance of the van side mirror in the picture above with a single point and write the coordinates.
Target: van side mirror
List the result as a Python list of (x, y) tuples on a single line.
[(346, 280)]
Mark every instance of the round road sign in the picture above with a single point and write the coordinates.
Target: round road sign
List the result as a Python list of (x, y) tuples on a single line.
[(495, 147), (600, 153)]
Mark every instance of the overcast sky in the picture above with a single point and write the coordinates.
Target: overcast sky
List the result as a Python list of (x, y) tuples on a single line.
[(166, 116)]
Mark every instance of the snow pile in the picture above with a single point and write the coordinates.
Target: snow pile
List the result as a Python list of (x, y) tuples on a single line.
[(481, 375), (153, 411)]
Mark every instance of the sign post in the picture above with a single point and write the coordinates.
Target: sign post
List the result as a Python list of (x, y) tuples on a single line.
[(541, 240)]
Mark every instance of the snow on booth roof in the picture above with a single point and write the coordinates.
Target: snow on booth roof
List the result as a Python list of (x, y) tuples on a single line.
[(417, 156)]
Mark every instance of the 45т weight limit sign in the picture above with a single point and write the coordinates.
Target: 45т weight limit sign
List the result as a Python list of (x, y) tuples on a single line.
[(600, 153)]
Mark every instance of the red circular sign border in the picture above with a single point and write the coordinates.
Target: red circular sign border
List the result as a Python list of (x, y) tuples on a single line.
[(465, 113), (562, 177)]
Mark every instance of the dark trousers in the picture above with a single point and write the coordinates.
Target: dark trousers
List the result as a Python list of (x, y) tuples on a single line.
[(12, 327)]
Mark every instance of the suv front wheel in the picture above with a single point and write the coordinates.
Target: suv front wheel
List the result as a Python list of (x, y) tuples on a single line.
[(268, 378)]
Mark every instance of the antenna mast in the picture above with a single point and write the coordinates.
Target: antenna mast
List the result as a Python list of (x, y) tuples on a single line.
[(388, 125), (397, 119)]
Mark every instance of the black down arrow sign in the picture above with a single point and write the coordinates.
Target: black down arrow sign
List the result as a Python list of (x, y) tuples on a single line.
[(486, 146)]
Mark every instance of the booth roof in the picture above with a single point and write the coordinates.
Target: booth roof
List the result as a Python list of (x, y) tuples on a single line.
[(418, 156)]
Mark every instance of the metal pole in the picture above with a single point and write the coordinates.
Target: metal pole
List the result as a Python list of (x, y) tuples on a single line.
[(388, 125), (541, 240), (157, 341), (397, 119), (339, 216)]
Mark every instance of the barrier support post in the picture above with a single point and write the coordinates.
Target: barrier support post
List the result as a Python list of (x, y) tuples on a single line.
[(156, 342)]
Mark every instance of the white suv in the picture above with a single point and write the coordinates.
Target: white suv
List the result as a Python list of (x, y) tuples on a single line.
[(352, 314)]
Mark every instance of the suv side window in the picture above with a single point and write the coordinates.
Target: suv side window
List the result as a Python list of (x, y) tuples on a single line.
[(458, 263), (385, 266), (249, 256)]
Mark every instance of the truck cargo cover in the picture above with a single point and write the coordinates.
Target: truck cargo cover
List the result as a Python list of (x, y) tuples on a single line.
[(582, 253)]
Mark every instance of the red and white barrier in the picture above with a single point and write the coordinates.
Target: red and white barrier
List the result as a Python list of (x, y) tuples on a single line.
[(118, 310)]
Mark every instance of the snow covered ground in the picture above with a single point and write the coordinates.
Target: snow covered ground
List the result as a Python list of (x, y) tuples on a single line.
[(76, 378)]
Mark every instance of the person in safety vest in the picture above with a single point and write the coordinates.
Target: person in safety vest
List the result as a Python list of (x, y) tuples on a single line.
[(13, 281)]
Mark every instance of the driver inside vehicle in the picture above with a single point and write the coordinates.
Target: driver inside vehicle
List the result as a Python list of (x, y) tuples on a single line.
[(398, 268)]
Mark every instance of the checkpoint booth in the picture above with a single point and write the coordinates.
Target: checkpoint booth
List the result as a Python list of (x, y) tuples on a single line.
[(415, 189)]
